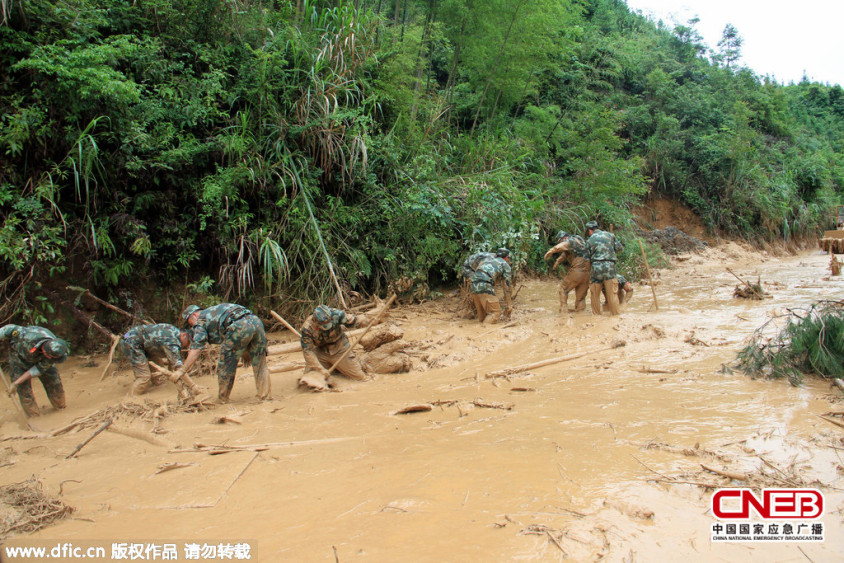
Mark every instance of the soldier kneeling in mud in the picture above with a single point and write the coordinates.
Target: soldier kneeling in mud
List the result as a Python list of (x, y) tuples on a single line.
[(143, 342), (238, 331), (483, 287), (324, 342), (33, 352)]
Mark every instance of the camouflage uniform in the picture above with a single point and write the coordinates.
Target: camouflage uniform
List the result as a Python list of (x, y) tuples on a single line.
[(150, 341), (573, 249), (324, 344), (483, 288), (471, 264), (238, 331), (25, 353), (601, 248), (624, 295)]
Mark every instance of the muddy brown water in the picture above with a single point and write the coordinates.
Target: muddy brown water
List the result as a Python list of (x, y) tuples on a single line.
[(350, 480)]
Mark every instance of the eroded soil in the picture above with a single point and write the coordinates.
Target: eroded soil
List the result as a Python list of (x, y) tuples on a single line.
[(599, 457)]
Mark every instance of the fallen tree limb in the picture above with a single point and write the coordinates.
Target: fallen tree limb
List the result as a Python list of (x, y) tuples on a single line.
[(106, 304), (102, 427), (115, 342), (289, 366), (223, 448), (753, 289), (543, 363)]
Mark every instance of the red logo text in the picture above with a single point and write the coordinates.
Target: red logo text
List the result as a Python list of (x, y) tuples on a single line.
[(735, 504)]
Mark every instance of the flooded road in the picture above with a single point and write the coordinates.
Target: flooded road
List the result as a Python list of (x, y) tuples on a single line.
[(596, 458)]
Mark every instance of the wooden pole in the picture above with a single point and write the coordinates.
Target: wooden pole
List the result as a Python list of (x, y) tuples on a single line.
[(107, 304), (650, 279), (116, 341), (277, 317), (370, 325), (753, 289), (543, 363), (185, 377), (18, 406), (102, 427)]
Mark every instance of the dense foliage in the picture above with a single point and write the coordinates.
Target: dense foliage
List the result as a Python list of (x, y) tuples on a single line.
[(242, 146), (802, 342)]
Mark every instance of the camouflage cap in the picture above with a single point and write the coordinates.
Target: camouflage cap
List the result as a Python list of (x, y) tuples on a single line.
[(561, 235), (502, 252), (55, 349), (189, 310), (591, 225), (322, 314)]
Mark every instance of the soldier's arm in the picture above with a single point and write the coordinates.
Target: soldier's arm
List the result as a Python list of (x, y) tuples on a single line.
[(562, 247), (560, 260)]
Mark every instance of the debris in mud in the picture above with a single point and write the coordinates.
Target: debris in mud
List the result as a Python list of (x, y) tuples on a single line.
[(388, 358), (753, 291), (803, 341), (673, 240), (477, 402), (28, 508), (414, 408)]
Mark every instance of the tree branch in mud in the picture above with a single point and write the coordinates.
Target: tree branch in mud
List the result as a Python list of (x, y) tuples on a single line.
[(804, 341)]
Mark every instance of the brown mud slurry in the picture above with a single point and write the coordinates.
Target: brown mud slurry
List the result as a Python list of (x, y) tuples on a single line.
[(578, 467)]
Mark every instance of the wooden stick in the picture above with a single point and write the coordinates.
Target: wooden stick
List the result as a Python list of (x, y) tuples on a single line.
[(277, 317), (650, 279), (543, 363), (140, 436), (735, 476), (80, 315), (370, 325), (115, 342), (185, 377), (18, 406), (102, 427), (753, 289), (107, 304)]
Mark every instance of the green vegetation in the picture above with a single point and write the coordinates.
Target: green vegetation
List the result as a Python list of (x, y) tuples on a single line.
[(808, 342), (248, 142)]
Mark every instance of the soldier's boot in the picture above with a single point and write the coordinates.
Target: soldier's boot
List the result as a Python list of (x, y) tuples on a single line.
[(143, 379)]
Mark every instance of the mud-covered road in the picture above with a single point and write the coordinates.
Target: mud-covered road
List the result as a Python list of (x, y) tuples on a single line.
[(596, 458)]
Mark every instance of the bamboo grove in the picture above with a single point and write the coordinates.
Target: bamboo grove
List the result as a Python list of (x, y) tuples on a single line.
[(236, 146)]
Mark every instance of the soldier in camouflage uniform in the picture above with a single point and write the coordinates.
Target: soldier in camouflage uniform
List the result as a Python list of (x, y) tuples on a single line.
[(601, 249), (238, 331), (467, 270), (33, 352), (572, 248), (324, 341), (625, 290), (483, 287), (152, 341)]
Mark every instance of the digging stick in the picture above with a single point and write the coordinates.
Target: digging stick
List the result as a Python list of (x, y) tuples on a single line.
[(370, 325), (277, 317), (115, 341), (15, 401), (753, 289), (107, 304), (650, 279), (102, 427)]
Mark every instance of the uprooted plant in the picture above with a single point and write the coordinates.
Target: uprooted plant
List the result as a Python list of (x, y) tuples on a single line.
[(803, 341)]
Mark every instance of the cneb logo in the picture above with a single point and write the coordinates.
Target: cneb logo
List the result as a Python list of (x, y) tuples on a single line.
[(735, 504)]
